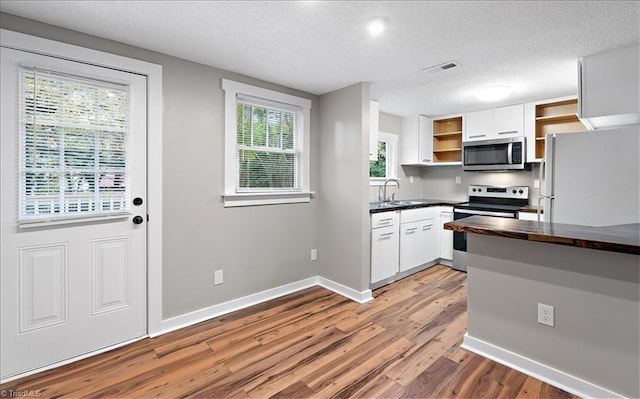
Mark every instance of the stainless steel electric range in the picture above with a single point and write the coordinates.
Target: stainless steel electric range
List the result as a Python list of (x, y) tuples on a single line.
[(502, 202)]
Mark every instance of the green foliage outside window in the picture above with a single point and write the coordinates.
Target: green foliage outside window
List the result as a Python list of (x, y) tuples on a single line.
[(267, 156), (379, 168)]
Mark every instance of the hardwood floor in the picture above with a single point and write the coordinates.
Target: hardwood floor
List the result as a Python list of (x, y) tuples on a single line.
[(310, 344)]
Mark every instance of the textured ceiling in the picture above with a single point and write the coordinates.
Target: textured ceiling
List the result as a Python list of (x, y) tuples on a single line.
[(321, 46)]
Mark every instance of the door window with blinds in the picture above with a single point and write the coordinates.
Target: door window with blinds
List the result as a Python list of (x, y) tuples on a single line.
[(266, 146), (73, 147)]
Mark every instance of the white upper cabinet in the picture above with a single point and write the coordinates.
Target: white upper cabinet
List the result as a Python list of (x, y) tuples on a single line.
[(608, 88), (494, 123), (416, 143), (478, 125), (509, 121), (373, 130)]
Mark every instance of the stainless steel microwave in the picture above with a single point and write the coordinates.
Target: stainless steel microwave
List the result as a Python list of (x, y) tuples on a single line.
[(496, 154)]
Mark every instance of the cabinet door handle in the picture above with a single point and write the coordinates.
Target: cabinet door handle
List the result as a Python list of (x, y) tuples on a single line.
[(386, 219), (477, 135), (386, 235), (509, 132), (427, 227), (412, 229), (426, 160)]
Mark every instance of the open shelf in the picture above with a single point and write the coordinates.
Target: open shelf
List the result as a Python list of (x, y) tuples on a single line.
[(558, 108), (557, 117), (448, 134), (447, 140), (447, 156)]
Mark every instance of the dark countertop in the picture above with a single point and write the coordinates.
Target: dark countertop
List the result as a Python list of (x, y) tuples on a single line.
[(423, 202), (621, 238)]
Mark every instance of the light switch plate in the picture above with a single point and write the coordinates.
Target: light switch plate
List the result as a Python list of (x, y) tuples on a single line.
[(217, 277)]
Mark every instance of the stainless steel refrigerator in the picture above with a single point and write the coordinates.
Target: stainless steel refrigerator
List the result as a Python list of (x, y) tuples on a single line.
[(592, 178)]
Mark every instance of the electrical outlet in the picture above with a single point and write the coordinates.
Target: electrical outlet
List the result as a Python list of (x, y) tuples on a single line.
[(217, 277), (536, 183), (546, 315), (458, 180), (411, 179), (314, 254)]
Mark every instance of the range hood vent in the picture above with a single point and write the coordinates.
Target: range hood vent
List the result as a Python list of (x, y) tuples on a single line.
[(442, 67)]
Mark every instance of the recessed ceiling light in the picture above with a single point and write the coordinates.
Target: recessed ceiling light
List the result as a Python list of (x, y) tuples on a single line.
[(376, 26), (493, 93)]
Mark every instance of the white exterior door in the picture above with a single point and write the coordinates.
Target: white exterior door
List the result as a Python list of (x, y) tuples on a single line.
[(73, 271)]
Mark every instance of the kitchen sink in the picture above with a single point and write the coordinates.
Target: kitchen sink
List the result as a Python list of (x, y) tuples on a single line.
[(405, 202), (391, 204)]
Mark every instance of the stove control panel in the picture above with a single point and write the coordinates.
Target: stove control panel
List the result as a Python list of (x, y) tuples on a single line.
[(512, 192)]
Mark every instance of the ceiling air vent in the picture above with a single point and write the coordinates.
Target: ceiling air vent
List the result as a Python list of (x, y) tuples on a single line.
[(442, 67)]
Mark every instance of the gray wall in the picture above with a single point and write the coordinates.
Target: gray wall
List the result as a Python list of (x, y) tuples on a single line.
[(344, 219), (439, 181), (393, 124), (596, 299), (257, 247)]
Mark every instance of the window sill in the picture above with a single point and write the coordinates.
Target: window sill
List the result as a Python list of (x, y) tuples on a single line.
[(62, 220), (254, 199), (373, 182)]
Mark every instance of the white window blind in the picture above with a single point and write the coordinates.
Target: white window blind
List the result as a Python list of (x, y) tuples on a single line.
[(267, 155), (73, 147)]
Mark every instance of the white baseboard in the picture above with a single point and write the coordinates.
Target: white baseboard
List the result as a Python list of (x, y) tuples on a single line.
[(360, 297), (188, 319), (210, 312), (550, 375)]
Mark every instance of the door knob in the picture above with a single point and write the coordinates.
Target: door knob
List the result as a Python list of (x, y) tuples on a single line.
[(138, 220), (137, 201)]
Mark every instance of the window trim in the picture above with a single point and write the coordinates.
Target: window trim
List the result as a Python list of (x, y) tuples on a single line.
[(231, 196), (392, 158)]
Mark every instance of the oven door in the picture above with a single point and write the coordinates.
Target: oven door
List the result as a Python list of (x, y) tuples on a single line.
[(459, 260), (460, 239)]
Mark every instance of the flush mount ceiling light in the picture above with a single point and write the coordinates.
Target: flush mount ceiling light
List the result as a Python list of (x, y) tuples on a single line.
[(376, 26), (493, 93)]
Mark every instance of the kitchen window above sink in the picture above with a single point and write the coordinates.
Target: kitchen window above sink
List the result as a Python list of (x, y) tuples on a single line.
[(386, 167)]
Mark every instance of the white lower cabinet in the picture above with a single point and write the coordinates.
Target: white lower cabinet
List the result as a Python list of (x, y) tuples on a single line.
[(403, 240), (419, 240), (384, 245), (446, 236)]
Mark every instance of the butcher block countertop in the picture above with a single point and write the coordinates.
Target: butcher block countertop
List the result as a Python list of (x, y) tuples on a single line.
[(620, 238)]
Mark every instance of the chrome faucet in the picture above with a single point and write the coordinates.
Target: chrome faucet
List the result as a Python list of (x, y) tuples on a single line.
[(384, 195)]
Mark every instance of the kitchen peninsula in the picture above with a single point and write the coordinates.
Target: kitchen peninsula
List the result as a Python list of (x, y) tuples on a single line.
[(590, 278)]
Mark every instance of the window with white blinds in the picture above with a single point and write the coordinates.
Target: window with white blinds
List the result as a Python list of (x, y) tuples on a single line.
[(267, 156), (266, 146), (73, 147)]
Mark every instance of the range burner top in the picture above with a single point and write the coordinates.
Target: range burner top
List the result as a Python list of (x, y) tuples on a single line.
[(496, 198), (488, 207)]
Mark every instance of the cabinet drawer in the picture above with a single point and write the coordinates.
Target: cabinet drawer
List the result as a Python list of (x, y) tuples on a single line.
[(414, 215), (384, 253), (384, 219)]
